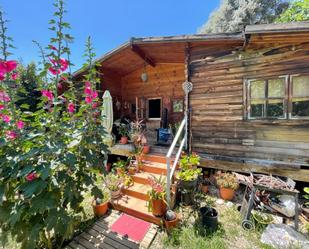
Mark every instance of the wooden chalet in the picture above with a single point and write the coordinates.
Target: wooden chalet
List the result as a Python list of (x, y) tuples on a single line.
[(249, 105)]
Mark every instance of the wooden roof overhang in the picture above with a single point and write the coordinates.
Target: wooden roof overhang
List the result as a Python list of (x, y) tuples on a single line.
[(137, 52)]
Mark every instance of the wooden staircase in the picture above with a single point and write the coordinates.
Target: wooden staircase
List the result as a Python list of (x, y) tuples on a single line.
[(134, 199)]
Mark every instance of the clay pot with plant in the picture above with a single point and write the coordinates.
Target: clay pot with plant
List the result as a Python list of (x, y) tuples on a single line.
[(100, 205), (156, 195), (171, 220), (227, 183), (120, 166), (124, 132), (205, 185), (138, 136), (114, 184)]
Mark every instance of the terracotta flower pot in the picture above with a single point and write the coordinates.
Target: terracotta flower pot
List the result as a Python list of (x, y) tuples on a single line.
[(119, 171), (124, 140), (132, 170), (115, 194), (146, 149), (157, 207), (101, 209), (171, 224), (108, 167), (227, 194), (204, 188)]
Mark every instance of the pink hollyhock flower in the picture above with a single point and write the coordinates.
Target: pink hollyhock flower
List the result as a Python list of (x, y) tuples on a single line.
[(7, 66), (15, 76), (6, 118), (31, 177), (71, 107), (20, 124), (94, 94), (52, 47), (88, 100), (94, 105), (2, 77), (11, 65), (87, 84), (54, 71), (11, 135), (4, 97), (88, 91), (2, 107), (64, 64), (48, 94)]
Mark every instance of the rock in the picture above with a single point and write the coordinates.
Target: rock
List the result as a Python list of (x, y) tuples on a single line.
[(281, 236), (220, 202)]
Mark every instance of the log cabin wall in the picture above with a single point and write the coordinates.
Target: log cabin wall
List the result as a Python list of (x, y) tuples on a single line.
[(219, 128)]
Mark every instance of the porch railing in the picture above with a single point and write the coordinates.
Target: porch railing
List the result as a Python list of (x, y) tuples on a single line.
[(171, 170)]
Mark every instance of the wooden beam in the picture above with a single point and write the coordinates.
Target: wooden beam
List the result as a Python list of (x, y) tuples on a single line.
[(143, 55), (297, 174)]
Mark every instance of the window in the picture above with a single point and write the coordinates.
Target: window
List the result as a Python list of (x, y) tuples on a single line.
[(267, 98), (299, 96), (278, 98), (154, 108)]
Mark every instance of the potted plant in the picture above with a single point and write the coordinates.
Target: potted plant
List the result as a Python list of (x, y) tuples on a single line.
[(204, 185), (261, 220), (132, 169), (227, 183), (171, 219), (156, 196), (120, 166), (100, 205), (138, 136), (209, 218), (123, 131), (127, 180), (113, 183), (189, 171)]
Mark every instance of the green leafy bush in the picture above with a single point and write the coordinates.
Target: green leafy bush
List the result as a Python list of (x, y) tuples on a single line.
[(48, 156)]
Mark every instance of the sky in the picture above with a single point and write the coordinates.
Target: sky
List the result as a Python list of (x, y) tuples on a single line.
[(109, 22)]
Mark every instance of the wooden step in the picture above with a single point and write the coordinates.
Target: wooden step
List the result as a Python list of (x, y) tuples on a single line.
[(142, 177), (138, 191), (159, 158), (135, 207), (154, 167)]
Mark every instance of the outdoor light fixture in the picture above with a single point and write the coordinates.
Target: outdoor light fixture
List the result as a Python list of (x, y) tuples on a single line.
[(144, 75)]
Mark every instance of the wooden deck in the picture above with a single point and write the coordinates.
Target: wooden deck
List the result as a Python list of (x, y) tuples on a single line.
[(99, 236)]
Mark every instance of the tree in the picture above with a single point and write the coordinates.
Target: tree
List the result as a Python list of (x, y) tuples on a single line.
[(297, 11), (233, 15), (28, 95)]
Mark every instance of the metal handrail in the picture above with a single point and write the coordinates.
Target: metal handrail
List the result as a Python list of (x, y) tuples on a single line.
[(170, 171)]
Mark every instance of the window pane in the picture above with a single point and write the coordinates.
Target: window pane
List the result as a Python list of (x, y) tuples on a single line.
[(276, 87), (275, 108), (301, 86), (257, 108), (154, 110), (300, 107), (257, 89)]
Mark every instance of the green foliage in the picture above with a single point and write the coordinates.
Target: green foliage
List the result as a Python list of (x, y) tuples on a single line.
[(121, 164), (188, 167), (233, 15), (113, 182), (297, 11), (47, 168), (157, 191)]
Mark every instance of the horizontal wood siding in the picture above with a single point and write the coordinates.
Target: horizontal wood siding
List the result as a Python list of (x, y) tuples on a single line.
[(217, 100)]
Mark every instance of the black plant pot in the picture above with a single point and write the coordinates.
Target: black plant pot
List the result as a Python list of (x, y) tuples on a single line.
[(209, 218), (187, 197), (189, 185)]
